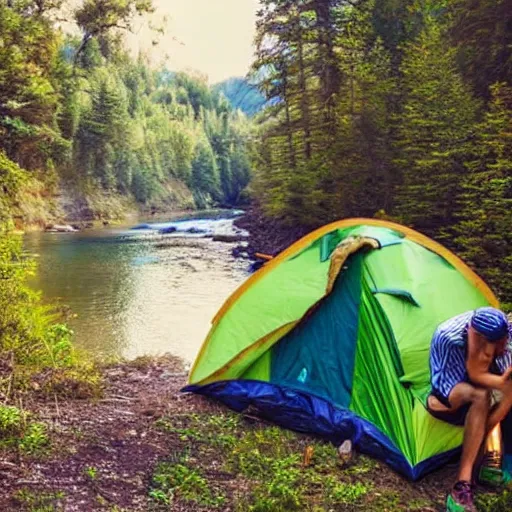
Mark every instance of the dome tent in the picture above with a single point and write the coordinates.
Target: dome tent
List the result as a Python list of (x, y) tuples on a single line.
[(332, 338)]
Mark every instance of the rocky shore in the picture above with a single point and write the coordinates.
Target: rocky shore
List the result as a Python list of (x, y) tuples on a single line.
[(268, 236)]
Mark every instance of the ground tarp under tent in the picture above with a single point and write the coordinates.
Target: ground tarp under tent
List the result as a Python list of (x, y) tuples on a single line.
[(332, 338)]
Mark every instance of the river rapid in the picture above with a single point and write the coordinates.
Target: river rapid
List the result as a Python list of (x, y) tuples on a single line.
[(138, 292)]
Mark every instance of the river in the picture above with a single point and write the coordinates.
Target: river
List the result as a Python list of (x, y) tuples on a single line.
[(138, 292)]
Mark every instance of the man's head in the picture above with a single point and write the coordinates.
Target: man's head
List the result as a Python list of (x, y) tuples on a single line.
[(491, 324)]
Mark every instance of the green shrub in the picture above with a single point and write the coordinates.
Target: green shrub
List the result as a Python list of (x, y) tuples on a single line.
[(16, 430), (11, 420), (31, 342)]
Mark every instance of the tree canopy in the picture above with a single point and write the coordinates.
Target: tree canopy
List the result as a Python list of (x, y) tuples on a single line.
[(398, 109)]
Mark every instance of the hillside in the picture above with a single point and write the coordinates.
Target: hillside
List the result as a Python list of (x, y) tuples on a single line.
[(242, 95)]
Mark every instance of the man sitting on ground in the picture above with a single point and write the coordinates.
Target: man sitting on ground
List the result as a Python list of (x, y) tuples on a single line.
[(469, 358)]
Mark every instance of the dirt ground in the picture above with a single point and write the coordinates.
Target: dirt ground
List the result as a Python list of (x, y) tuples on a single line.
[(103, 455), (115, 435)]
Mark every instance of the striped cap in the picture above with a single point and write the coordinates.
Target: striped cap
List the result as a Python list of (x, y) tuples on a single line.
[(490, 322)]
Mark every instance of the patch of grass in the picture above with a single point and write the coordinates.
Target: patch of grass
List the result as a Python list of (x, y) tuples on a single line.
[(501, 502), (325, 457), (418, 504), (344, 493), (39, 501), (172, 480), (81, 380), (362, 465), (216, 430), (385, 501), (91, 472), (253, 456), (281, 489), (226, 422), (267, 459), (11, 420)]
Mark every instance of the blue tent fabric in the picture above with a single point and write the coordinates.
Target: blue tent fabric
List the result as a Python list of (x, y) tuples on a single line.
[(310, 414), (299, 359)]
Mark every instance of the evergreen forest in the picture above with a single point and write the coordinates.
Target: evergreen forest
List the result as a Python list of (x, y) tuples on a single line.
[(397, 109)]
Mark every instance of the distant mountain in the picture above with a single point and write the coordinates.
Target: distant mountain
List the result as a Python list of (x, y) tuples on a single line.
[(241, 94)]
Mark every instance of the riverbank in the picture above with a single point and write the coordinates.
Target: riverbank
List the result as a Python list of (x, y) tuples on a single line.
[(268, 236), (90, 206), (138, 444), (144, 445)]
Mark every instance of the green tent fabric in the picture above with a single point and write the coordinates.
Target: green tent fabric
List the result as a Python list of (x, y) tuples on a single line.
[(352, 363)]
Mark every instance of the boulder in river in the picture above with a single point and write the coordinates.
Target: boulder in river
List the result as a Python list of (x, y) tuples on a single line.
[(166, 230), (194, 230), (142, 226), (60, 228)]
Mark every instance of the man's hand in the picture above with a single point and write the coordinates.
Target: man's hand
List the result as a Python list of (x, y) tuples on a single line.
[(507, 383)]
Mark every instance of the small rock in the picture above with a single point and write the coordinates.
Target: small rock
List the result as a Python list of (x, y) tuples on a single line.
[(115, 372), (345, 450)]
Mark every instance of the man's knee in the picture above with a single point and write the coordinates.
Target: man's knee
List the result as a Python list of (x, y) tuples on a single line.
[(481, 398)]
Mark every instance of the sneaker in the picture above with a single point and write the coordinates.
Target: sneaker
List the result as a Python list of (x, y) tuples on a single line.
[(461, 498), (490, 472)]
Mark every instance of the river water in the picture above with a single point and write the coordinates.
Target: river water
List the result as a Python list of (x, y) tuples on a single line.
[(137, 291)]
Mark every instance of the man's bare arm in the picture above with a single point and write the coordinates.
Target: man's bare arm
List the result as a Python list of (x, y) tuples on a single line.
[(480, 356)]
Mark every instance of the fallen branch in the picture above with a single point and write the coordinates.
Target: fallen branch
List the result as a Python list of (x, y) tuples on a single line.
[(121, 397), (8, 464), (116, 400)]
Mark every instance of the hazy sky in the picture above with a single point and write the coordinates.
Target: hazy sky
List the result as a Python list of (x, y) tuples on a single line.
[(214, 37)]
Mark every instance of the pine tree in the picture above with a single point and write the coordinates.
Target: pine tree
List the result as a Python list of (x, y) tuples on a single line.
[(358, 182), (482, 33), (484, 235), (205, 175), (103, 128), (434, 128), (326, 151)]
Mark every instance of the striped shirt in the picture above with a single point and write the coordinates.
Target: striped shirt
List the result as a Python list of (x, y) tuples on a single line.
[(448, 355)]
